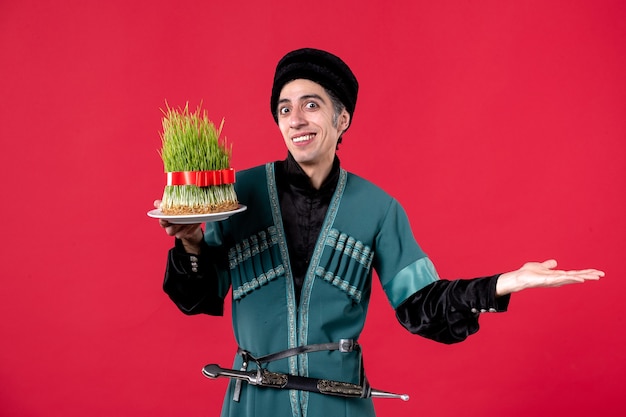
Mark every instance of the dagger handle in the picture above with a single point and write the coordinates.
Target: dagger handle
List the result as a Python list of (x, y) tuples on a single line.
[(215, 371)]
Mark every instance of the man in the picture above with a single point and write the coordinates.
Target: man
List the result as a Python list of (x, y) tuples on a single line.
[(299, 261)]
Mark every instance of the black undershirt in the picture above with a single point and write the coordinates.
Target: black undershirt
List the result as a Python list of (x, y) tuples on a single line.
[(303, 212)]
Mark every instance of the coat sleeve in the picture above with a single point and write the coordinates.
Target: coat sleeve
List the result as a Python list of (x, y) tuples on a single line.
[(447, 311), (192, 281)]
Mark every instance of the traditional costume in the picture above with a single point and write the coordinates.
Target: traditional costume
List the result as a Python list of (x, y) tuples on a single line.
[(364, 230), (299, 263)]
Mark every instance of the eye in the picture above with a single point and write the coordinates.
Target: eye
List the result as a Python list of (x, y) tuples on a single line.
[(283, 110), (311, 105)]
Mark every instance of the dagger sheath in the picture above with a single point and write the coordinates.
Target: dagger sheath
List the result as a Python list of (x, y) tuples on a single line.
[(265, 378)]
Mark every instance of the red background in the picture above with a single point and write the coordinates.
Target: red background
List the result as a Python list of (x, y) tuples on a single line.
[(499, 125)]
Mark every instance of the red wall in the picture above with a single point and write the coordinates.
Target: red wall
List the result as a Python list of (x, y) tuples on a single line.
[(499, 125)]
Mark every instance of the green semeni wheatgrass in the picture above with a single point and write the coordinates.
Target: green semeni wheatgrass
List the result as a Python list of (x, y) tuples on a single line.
[(191, 142)]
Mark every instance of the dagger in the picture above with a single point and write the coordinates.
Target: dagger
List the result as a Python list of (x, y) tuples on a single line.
[(264, 378)]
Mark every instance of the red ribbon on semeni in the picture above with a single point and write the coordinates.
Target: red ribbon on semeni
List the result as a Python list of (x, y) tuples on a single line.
[(201, 178)]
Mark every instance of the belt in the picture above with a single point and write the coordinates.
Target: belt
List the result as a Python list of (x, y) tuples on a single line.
[(344, 346), (264, 378)]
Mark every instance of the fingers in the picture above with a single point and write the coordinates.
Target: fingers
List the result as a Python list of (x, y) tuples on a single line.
[(592, 272), (550, 264), (560, 278), (584, 273), (157, 204), (182, 231), (587, 274), (173, 229), (186, 231), (537, 266)]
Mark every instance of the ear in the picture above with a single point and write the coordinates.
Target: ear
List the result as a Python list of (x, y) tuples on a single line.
[(344, 120)]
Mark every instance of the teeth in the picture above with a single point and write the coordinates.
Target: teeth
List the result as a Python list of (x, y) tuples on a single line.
[(302, 138)]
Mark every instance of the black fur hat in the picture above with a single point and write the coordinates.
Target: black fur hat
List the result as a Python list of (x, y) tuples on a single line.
[(321, 67)]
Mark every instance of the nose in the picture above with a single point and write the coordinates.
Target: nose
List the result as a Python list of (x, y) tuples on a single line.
[(296, 118)]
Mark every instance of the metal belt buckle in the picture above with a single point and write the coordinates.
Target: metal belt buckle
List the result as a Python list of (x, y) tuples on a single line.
[(244, 367), (346, 345)]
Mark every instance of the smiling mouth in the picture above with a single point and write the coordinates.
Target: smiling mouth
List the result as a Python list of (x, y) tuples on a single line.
[(304, 138)]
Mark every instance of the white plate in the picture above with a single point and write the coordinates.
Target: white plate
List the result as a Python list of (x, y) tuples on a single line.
[(195, 218)]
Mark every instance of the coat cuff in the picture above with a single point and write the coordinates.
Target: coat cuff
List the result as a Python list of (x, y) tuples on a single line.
[(486, 300)]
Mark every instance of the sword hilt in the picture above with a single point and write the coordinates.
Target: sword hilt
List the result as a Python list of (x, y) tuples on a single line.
[(215, 371)]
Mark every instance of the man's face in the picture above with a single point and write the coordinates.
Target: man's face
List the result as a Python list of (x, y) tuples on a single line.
[(305, 118)]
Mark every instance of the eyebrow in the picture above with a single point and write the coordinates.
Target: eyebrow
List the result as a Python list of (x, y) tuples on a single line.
[(304, 97)]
